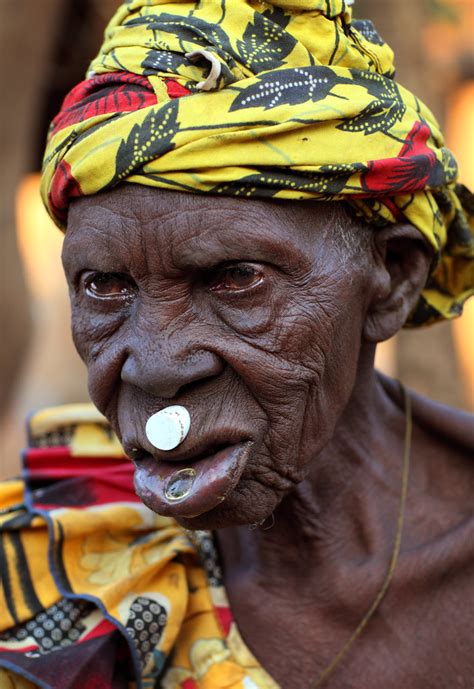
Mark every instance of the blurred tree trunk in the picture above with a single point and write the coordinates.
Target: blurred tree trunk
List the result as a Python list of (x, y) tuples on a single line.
[(426, 357), (26, 30), (46, 46), (42, 58), (400, 23)]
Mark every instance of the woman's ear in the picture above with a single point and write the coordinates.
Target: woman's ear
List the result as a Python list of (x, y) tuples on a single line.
[(402, 263)]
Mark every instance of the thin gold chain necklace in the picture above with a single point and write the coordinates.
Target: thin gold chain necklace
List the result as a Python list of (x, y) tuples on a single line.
[(395, 551)]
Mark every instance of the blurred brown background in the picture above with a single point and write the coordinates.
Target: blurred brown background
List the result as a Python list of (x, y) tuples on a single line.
[(45, 47)]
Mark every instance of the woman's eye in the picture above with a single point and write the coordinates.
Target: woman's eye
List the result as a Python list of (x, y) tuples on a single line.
[(110, 286), (236, 277)]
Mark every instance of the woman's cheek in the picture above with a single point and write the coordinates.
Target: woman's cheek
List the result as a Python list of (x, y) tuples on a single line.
[(251, 321), (250, 312), (93, 330)]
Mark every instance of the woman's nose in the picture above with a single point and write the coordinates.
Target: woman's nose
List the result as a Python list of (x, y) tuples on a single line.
[(163, 371)]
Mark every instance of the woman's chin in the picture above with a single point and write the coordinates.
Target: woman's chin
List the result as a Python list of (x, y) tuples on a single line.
[(241, 507), (226, 516)]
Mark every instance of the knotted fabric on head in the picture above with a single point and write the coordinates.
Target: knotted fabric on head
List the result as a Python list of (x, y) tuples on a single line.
[(288, 100)]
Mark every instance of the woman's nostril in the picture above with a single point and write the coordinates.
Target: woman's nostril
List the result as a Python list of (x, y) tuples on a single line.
[(166, 375)]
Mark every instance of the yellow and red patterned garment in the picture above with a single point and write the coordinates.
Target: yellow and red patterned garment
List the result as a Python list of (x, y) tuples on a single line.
[(289, 99), (98, 592)]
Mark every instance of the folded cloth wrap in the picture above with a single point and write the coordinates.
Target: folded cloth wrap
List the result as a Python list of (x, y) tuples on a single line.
[(287, 100)]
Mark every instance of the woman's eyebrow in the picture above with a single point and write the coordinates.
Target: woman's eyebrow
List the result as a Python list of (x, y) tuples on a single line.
[(81, 251), (228, 244), (208, 236)]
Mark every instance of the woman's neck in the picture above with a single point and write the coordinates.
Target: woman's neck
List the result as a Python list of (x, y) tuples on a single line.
[(345, 509)]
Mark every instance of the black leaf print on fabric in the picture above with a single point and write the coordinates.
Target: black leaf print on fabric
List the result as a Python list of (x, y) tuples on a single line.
[(336, 177), (448, 169), (188, 29), (248, 187), (265, 44), (163, 61), (146, 141), (368, 31), (278, 16), (329, 182), (289, 86), (424, 312), (386, 108)]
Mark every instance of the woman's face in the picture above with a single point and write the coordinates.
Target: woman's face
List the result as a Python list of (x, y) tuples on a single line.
[(245, 312)]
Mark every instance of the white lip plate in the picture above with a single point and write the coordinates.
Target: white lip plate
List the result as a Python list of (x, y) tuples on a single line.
[(169, 427)]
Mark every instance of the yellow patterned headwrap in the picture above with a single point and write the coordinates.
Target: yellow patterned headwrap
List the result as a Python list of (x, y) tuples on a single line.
[(284, 99)]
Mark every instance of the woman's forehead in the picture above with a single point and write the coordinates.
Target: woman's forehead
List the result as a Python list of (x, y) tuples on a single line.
[(132, 217)]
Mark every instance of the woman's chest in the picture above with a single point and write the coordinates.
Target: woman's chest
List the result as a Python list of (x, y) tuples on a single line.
[(420, 637)]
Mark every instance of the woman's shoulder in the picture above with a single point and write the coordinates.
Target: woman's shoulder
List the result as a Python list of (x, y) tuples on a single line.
[(450, 425), (442, 460)]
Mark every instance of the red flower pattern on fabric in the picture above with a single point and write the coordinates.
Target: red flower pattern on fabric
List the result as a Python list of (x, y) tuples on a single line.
[(175, 90), (64, 186), (189, 684), (104, 94), (110, 93), (415, 167)]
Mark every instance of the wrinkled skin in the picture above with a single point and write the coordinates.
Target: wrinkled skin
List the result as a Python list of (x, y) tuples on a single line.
[(251, 315)]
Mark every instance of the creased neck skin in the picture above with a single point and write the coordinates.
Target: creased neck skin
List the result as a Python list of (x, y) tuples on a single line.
[(305, 579), (346, 508)]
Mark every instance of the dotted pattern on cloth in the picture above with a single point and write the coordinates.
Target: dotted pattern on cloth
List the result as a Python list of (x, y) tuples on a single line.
[(57, 627)]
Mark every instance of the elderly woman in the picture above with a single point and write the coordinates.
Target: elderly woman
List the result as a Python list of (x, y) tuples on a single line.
[(251, 203)]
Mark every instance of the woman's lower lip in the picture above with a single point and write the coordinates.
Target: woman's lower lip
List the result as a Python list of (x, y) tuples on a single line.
[(190, 489)]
